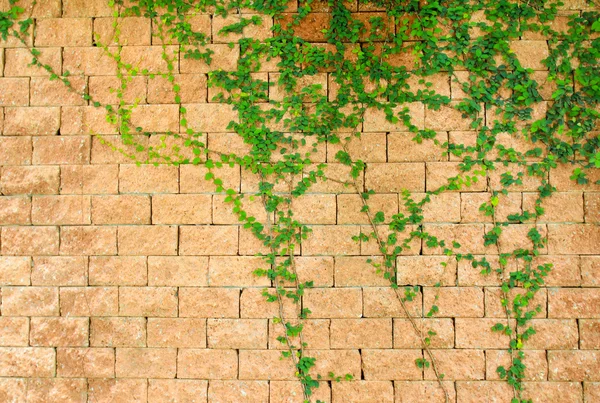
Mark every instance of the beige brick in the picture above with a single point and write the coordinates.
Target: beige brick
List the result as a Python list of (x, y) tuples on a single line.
[(361, 333), (237, 333), (583, 239), (89, 179), (146, 362), (192, 179), (254, 305), (15, 210), (349, 208), (181, 209), (122, 209), (32, 121), (59, 332), (331, 240), (534, 360), (61, 150), (207, 364), (19, 62), (458, 364), (471, 202), (395, 177), (264, 364), (85, 120), (208, 240), (209, 302), (314, 209), (176, 390), (59, 270), (383, 365), (406, 337), (192, 89), (402, 148), (149, 58), (60, 210), (77, 240), (89, 301), (15, 270), (315, 333), (156, 118), (224, 57), (236, 271), (493, 301), (355, 271), (361, 391), (103, 89), (15, 332), (210, 117), (15, 150), (148, 179), (134, 31), (148, 301), (455, 301), (177, 271), (559, 207), (589, 331), (291, 392), (468, 236), (85, 362), (423, 391), (64, 32), (530, 53), (30, 180), (231, 391), (426, 270), (86, 8), (117, 270), (592, 207), (573, 365), (383, 302), (369, 147), (147, 240), (117, 390), (318, 269), (590, 270), (27, 361), (573, 303), (334, 303), (117, 332), (30, 241), (44, 92), (177, 332), (375, 119), (438, 174), (14, 91)]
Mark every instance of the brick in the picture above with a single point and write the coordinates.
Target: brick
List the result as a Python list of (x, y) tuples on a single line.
[(455, 301), (530, 53), (559, 207), (117, 270), (361, 391), (224, 57), (85, 120), (30, 180), (383, 365), (14, 91), (291, 392), (361, 333), (181, 209), (438, 174), (156, 118), (478, 333), (260, 31), (383, 302), (591, 391), (103, 89), (423, 391), (581, 239), (44, 92), (207, 364), (18, 62), (277, 91), (458, 364), (27, 361), (406, 337), (150, 58), (350, 205), (355, 271), (15, 331), (15, 270), (177, 332), (89, 301), (565, 270), (589, 332), (312, 26), (554, 334), (573, 303), (334, 302), (576, 365), (30, 241), (148, 301), (493, 301), (89, 179), (192, 179), (111, 149), (590, 271), (395, 177), (369, 147), (146, 362), (192, 89), (208, 240), (469, 236), (254, 305), (86, 8), (473, 391), (264, 364), (471, 202), (122, 209), (176, 390), (320, 240), (534, 360), (553, 391), (13, 389), (210, 117), (117, 332), (61, 150), (77, 240), (177, 271), (148, 179), (59, 332), (60, 210), (529, 183), (426, 270), (15, 210), (147, 240), (315, 333), (402, 148), (232, 391), (209, 303), (15, 150), (32, 121), (447, 117), (336, 172), (134, 31), (592, 207), (236, 272), (318, 269), (59, 270), (118, 390), (49, 8), (85, 362), (515, 236), (237, 333), (223, 213), (315, 209)]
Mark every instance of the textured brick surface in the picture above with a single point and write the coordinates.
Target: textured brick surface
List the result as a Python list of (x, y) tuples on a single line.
[(127, 283)]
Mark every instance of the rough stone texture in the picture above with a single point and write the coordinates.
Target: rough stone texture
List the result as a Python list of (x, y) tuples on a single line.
[(126, 283)]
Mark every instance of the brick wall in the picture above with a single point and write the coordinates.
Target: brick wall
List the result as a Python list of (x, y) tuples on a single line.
[(122, 283)]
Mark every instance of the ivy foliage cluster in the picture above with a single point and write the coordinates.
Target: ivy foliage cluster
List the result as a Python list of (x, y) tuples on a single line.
[(387, 63)]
